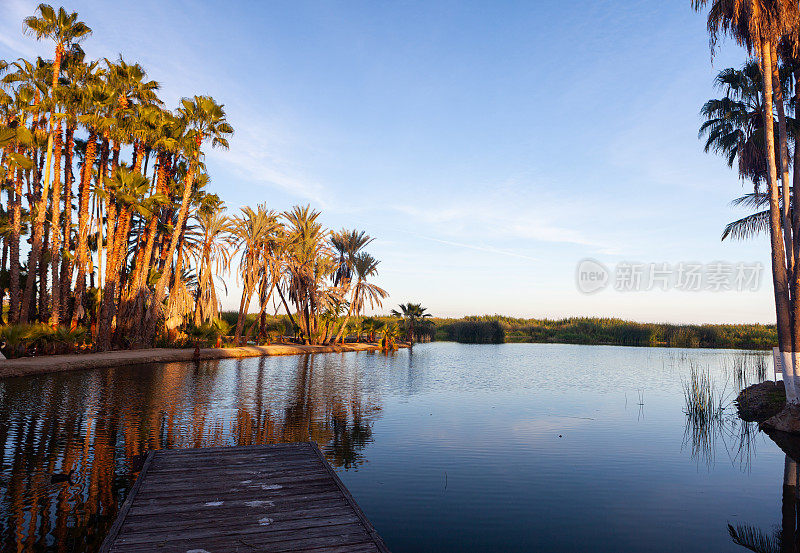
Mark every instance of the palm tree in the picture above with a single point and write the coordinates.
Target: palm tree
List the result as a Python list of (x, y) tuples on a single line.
[(734, 124), (255, 233), (309, 263), (66, 31), (128, 187), (734, 128), (365, 266), (412, 313), (97, 100), (16, 162), (204, 119), (213, 258), (757, 25), (72, 95), (31, 79)]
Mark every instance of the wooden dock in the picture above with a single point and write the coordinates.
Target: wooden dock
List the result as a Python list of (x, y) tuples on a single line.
[(283, 497)]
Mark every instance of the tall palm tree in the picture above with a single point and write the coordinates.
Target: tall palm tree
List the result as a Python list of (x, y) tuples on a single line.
[(734, 129), (16, 162), (734, 124), (758, 25), (66, 31), (33, 76), (79, 74), (364, 266), (204, 119), (128, 187), (213, 258), (309, 263), (96, 102), (255, 232)]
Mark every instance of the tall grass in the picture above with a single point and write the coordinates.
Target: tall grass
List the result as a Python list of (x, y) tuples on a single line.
[(474, 332), (703, 402), (704, 406)]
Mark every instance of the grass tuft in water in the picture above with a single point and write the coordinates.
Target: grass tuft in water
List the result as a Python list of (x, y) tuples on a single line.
[(703, 402), (705, 408)]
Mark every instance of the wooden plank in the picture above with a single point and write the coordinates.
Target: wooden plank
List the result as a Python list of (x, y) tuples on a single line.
[(157, 509), (262, 487), (230, 518), (279, 498), (115, 528), (206, 534)]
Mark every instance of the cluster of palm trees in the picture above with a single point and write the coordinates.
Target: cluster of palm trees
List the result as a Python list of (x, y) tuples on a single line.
[(122, 237), (320, 278), (754, 126)]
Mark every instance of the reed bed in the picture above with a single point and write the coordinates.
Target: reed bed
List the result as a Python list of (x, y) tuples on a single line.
[(610, 331)]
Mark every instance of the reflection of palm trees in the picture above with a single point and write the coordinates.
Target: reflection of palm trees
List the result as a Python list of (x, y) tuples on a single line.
[(786, 538), (348, 439), (101, 423)]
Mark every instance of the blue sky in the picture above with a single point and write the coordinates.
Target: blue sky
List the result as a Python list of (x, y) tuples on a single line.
[(489, 147)]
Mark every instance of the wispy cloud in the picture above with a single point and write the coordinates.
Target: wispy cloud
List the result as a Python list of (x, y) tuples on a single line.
[(495, 220), (255, 158), (480, 248), (11, 31)]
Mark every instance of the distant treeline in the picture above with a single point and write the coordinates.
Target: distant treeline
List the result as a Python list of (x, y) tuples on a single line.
[(497, 329), (583, 330)]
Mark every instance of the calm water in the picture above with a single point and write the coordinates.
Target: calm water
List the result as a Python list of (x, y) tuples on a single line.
[(515, 447)]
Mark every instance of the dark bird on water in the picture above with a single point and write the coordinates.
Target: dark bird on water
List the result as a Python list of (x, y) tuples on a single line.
[(61, 478)]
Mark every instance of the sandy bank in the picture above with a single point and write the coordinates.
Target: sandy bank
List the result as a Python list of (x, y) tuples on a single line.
[(57, 363)]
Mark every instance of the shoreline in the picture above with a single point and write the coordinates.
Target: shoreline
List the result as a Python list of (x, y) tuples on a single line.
[(27, 366)]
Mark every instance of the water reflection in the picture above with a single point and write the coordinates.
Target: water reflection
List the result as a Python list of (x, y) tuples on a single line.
[(94, 430), (784, 538), (527, 436)]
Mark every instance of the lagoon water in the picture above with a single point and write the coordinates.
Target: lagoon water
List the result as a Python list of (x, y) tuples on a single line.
[(513, 447)]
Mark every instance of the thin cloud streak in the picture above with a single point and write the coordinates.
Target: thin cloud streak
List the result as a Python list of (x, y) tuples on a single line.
[(487, 249)]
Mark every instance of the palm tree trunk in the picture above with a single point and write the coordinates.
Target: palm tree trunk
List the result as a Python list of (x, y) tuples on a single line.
[(161, 286), (197, 316), (44, 300), (113, 272), (111, 218), (82, 253), (244, 305), (3, 268), (65, 278), (38, 215), (286, 306), (16, 230), (34, 253), (55, 227), (349, 312), (795, 278), (133, 306), (778, 259), (782, 151), (261, 312)]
